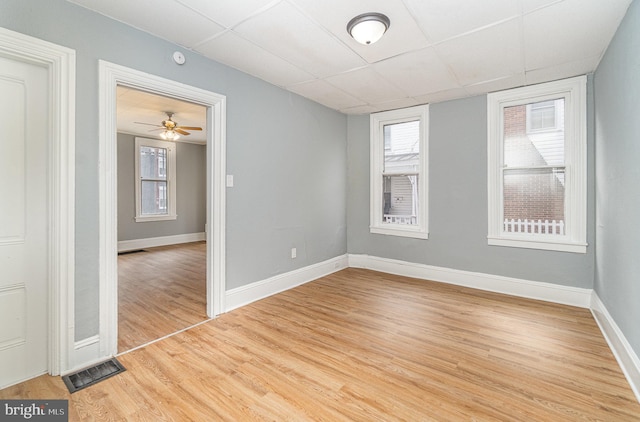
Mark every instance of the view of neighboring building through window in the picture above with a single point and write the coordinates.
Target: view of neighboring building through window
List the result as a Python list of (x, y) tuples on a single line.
[(401, 172), (398, 172), (534, 171), (155, 180), (537, 166)]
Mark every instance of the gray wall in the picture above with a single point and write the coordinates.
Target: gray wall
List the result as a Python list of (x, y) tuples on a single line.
[(288, 154), (191, 168), (458, 204), (617, 94)]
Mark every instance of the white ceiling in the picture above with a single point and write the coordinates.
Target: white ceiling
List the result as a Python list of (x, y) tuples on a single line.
[(434, 50), (136, 106)]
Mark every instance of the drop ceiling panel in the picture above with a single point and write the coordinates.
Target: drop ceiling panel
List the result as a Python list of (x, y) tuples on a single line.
[(165, 18), (563, 70), (239, 53), (228, 13), (417, 73), (485, 55), (326, 94), (289, 34), (570, 30), (403, 35), (396, 104), (366, 85), (436, 97), (531, 5), (365, 109), (496, 85), (435, 50), (443, 19)]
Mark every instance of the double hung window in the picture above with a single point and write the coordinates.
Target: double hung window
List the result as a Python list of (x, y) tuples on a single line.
[(155, 167), (399, 172), (537, 166)]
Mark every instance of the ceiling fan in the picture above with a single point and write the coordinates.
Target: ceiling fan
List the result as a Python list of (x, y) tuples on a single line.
[(171, 128)]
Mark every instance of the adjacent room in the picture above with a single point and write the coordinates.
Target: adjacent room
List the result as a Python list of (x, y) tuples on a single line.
[(304, 210)]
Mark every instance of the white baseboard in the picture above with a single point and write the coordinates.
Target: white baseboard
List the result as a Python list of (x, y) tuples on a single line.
[(626, 357), (150, 242), (244, 295), (87, 352), (549, 292)]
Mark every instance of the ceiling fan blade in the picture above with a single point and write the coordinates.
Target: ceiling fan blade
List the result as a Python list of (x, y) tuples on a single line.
[(189, 127), (148, 124), (153, 130), (181, 132)]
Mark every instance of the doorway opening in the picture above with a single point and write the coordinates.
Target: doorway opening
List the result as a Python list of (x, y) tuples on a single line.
[(161, 216), (113, 76)]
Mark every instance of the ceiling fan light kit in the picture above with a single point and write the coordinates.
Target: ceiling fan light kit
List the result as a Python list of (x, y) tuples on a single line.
[(171, 130), (368, 27), (170, 135)]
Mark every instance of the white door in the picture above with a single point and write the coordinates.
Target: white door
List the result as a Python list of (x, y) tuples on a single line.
[(24, 107)]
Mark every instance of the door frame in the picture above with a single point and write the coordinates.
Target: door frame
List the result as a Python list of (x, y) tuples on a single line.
[(60, 63), (110, 76)]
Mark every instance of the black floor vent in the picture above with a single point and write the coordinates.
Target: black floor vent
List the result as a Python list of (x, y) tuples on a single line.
[(133, 251), (95, 374)]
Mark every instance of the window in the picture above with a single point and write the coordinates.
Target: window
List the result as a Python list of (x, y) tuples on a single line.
[(399, 172), (544, 116), (155, 167), (537, 166)]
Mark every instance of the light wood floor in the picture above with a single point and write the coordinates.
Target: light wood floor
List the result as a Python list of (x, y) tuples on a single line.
[(160, 291), (360, 345)]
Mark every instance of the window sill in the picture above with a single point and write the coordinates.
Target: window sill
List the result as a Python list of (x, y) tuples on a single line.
[(147, 218), (538, 244), (396, 230)]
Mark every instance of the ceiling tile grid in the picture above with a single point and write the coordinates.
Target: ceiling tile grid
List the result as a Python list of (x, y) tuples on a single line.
[(434, 50)]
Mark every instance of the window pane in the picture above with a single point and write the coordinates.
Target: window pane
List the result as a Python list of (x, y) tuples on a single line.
[(532, 195), (153, 163), (402, 147), (540, 148), (542, 115), (154, 197), (400, 202)]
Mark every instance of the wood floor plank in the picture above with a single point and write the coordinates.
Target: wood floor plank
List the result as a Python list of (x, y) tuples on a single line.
[(160, 291), (361, 345)]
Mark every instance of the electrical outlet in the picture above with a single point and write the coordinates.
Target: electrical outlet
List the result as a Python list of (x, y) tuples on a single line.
[(294, 253)]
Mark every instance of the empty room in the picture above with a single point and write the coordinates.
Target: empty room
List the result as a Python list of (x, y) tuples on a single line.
[(320, 210)]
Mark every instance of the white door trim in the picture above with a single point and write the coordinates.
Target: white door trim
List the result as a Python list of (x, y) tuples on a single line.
[(112, 75), (60, 63)]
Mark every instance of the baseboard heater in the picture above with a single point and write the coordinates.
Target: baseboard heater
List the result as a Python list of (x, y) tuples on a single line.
[(92, 375)]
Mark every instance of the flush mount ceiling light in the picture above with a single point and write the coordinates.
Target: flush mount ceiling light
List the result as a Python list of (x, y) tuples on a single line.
[(368, 27)]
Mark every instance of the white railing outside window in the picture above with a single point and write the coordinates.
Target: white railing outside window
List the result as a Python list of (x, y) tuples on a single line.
[(534, 227), (400, 219)]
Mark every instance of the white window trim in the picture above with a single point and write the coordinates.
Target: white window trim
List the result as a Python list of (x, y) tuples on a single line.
[(377, 123), (171, 180), (574, 92)]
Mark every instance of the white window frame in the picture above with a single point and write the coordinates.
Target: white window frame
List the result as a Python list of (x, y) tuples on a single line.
[(573, 91), (377, 123), (171, 180)]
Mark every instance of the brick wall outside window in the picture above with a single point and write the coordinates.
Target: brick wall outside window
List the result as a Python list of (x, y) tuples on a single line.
[(529, 194)]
